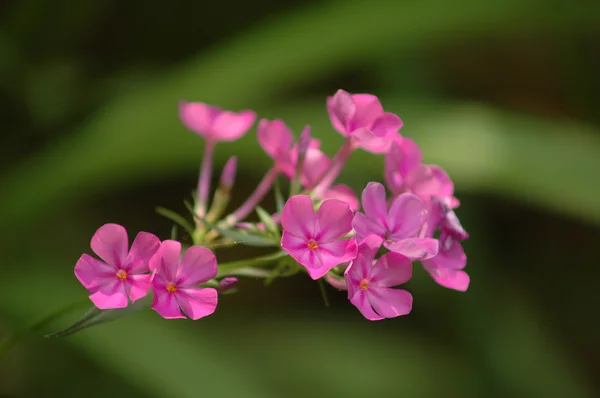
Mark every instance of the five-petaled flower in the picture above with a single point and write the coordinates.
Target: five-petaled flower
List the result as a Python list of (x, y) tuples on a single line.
[(370, 282), (176, 281), (314, 239), (360, 117), (399, 226), (123, 275)]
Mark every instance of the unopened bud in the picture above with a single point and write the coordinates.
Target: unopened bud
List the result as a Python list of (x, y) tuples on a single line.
[(228, 174), (303, 143), (227, 283)]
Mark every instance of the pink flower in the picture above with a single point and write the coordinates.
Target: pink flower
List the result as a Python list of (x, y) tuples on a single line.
[(313, 239), (404, 172), (361, 118), (213, 123), (175, 281), (122, 275), (370, 282), (446, 267), (399, 226)]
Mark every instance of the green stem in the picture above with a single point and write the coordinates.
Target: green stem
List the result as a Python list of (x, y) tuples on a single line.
[(258, 262), (13, 339)]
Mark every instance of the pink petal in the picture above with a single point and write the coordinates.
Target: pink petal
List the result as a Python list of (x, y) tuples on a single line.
[(137, 286), (393, 169), (410, 155), (198, 117), (360, 268), (298, 216), (110, 243), (450, 278), (334, 220), (451, 255), (197, 303), (390, 270), (110, 295), (297, 247), (386, 125), (407, 216), (368, 141), (345, 194), (336, 283), (143, 248), (444, 181), (166, 259), (166, 305), (92, 272), (275, 138), (368, 108), (359, 300), (341, 109), (390, 303), (365, 227), (230, 126), (332, 254), (197, 266), (374, 203), (415, 248), (316, 163)]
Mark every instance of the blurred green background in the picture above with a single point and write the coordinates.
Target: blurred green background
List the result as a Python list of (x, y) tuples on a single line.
[(504, 95)]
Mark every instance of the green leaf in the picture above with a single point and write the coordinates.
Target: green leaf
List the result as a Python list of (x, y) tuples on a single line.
[(177, 219), (242, 237), (267, 220), (95, 316), (279, 201)]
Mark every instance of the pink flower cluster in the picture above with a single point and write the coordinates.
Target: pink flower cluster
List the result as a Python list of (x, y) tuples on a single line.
[(365, 247)]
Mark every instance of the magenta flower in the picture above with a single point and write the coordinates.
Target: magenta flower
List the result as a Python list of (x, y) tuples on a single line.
[(404, 173), (345, 194), (122, 275), (399, 226), (213, 123), (361, 118), (314, 239), (175, 281), (446, 268), (370, 282)]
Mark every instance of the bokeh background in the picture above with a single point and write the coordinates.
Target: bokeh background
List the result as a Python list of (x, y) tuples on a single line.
[(504, 95)]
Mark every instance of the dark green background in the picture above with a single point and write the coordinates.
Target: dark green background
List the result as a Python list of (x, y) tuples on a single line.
[(504, 95)]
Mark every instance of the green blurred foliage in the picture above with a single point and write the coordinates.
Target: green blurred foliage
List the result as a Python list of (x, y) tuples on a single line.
[(504, 95)]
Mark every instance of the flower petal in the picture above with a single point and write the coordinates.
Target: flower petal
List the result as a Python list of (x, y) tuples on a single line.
[(390, 270), (297, 247), (359, 300), (275, 138), (341, 108), (197, 303), (198, 117), (197, 266), (110, 243), (360, 268), (410, 155), (368, 108), (166, 305), (298, 216), (386, 125), (332, 254), (316, 164), (166, 259), (374, 203), (143, 248), (450, 278), (230, 126), (345, 194), (110, 295), (137, 286), (364, 227), (334, 220), (415, 248), (92, 272), (390, 303), (407, 216)]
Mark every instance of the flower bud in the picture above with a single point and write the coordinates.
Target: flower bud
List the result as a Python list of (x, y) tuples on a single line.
[(228, 174)]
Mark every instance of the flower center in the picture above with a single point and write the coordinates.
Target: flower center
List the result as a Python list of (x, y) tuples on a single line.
[(363, 284), (122, 274), (171, 288), (312, 245)]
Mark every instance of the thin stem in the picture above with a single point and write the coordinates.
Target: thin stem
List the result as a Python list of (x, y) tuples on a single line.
[(337, 165), (253, 200), (205, 177), (13, 339), (226, 269)]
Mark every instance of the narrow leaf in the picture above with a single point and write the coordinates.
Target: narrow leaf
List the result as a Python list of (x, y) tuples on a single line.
[(176, 218), (268, 221), (241, 237)]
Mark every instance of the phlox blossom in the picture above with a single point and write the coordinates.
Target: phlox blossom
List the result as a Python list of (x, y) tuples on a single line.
[(214, 123)]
